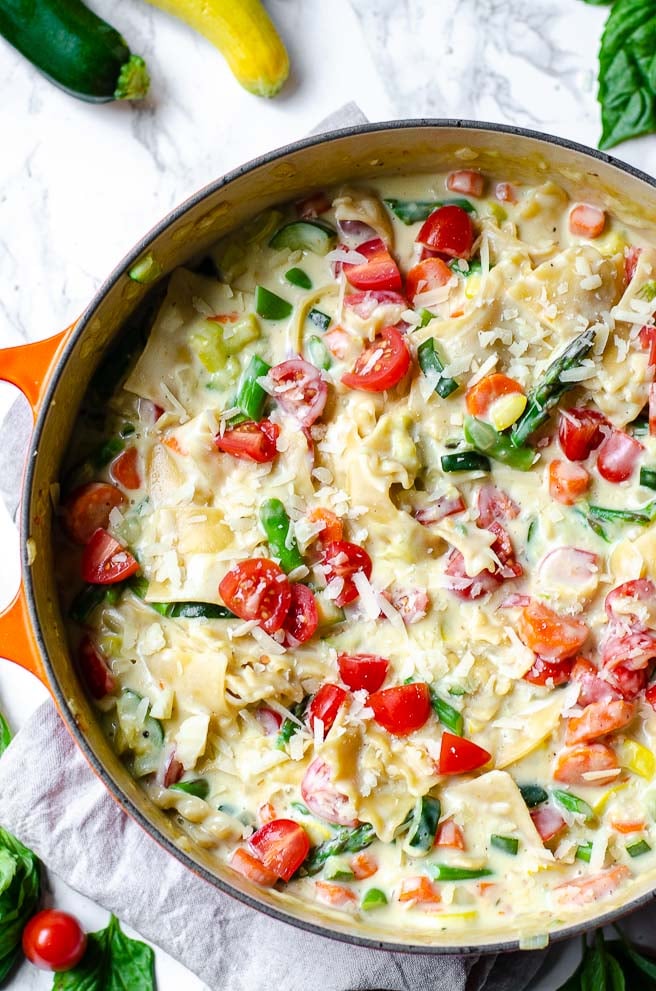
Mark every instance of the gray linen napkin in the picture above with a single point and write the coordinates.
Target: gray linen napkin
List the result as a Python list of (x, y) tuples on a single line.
[(63, 812)]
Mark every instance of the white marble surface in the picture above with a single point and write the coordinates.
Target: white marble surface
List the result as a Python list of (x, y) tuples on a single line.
[(80, 183)]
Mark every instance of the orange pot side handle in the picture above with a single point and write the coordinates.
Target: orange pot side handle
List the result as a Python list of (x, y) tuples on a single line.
[(29, 366), (17, 641)]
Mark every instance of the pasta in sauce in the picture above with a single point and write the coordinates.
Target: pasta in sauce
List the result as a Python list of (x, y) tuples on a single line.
[(366, 535)]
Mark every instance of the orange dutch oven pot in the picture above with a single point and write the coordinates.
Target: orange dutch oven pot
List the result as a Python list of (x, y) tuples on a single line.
[(54, 374)]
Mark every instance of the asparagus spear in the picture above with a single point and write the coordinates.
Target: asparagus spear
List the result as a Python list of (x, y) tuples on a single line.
[(344, 841), (551, 387)]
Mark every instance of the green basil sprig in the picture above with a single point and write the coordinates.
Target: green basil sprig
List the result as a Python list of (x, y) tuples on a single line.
[(20, 888), (112, 962), (612, 966)]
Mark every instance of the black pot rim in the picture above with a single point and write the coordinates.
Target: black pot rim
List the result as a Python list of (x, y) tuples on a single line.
[(121, 797)]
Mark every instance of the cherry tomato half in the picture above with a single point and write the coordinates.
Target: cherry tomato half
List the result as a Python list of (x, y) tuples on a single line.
[(282, 845), (449, 231), (325, 705), (362, 671), (88, 508), (426, 275), (618, 456), (105, 561), (299, 389), (458, 755), (323, 798), (93, 667), (342, 559), (382, 364), (250, 441), (54, 940), (379, 271), (302, 619), (580, 432), (125, 469), (402, 709), (258, 589)]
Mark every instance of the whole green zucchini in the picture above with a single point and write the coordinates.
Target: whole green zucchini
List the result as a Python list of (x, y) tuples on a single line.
[(74, 48)]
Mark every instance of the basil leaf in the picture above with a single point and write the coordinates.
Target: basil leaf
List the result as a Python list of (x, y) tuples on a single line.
[(593, 970), (599, 3), (20, 888), (627, 80), (648, 967), (5, 734), (616, 981), (112, 962)]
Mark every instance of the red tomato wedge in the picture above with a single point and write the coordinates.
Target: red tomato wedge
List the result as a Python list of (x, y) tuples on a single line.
[(466, 181), (252, 868), (650, 695), (449, 231), (503, 548), (587, 221), (325, 705), (313, 206), (302, 619), (364, 303), (333, 528), (299, 389), (426, 275), (362, 672), (629, 651), (403, 709), (88, 508), (94, 669), (551, 636), (480, 397), (54, 940), (554, 672), (648, 342), (250, 441), (382, 364), (599, 719), (580, 432), (258, 589), (379, 271), (105, 561), (548, 822), (282, 845), (125, 469), (572, 765), (618, 456), (628, 682), (568, 482), (458, 755), (323, 798), (342, 559)]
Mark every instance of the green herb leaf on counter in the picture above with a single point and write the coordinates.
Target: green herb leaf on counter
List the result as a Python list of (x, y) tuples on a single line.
[(613, 965), (20, 888), (5, 734), (112, 962), (627, 85)]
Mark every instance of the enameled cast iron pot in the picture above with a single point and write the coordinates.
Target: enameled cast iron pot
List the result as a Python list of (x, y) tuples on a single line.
[(54, 374)]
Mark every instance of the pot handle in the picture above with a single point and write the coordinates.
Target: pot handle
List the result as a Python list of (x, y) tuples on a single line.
[(29, 367)]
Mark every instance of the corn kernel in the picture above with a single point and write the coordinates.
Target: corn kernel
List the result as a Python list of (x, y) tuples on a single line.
[(472, 285), (637, 758), (506, 409)]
